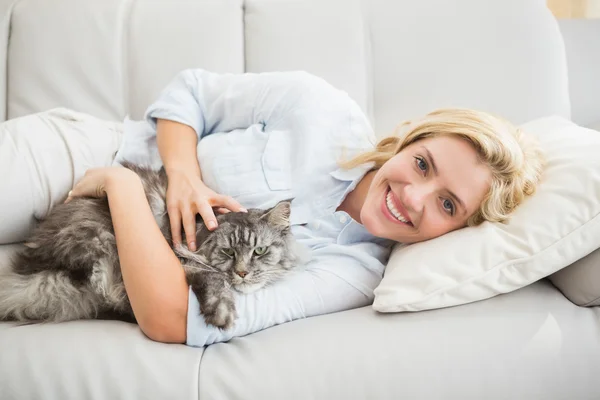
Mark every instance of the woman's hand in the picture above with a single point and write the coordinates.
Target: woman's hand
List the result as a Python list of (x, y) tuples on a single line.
[(187, 196), (94, 182)]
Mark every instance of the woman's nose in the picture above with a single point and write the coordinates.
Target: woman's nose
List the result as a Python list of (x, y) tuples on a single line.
[(415, 196)]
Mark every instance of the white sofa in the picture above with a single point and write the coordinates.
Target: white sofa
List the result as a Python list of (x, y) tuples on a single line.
[(398, 59)]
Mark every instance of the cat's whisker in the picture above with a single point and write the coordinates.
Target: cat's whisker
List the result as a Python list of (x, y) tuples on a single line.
[(197, 268), (204, 264), (210, 267), (184, 252), (270, 276), (207, 265)]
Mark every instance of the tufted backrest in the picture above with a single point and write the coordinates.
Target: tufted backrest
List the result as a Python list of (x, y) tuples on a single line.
[(397, 58)]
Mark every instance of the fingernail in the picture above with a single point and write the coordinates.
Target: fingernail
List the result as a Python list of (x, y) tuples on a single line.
[(243, 210), (212, 225), (192, 246)]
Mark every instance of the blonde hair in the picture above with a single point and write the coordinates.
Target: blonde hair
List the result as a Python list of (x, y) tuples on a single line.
[(515, 160)]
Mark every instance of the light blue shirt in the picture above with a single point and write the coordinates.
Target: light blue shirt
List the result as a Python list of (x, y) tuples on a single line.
[(264, 138)]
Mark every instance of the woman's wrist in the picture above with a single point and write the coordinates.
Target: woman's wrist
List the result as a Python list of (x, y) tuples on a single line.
[(183, 170)]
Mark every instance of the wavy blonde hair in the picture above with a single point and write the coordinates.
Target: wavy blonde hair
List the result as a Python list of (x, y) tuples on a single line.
[(515, 160)]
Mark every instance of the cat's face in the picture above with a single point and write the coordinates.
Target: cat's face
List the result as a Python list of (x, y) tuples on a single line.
[(249, 248)]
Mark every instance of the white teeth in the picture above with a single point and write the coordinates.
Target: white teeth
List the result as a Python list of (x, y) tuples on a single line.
[(392, 208)]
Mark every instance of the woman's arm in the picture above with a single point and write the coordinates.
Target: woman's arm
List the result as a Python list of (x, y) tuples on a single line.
[(153, 277), (177, 147), (194, 104), (187, 195), (336, 279)]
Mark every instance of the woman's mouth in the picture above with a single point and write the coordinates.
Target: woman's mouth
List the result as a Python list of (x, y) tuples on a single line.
[(390, 210)]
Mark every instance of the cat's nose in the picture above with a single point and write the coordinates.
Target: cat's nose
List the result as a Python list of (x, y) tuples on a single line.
[(241, 274)]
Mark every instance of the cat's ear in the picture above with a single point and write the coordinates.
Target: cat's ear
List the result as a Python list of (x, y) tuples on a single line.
[(279, 215)]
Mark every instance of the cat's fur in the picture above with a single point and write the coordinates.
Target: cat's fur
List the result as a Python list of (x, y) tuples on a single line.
[(70, 269)]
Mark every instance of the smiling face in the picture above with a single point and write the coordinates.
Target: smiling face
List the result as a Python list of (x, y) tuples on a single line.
[(428, 189)]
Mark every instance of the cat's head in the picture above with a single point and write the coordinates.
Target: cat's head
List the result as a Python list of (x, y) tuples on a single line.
[(251, 249)]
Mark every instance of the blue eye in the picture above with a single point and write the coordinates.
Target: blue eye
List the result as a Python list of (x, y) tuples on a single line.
[(448, 206), (421, 164)]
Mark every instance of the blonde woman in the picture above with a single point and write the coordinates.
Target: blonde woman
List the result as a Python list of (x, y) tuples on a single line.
[(235, 141)]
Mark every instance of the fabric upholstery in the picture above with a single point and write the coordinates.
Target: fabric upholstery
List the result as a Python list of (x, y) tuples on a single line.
[(583, 60), (93, 360), (529, 344), (580, 283)]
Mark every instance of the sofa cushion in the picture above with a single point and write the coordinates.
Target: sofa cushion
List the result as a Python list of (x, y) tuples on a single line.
[(91, 360), (431, 54), (583, 59), (530, 344), (580, 282), (552, 229), (290, 35), (111, 58)]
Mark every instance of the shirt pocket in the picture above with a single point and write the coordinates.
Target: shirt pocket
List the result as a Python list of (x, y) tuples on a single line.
[(277, 161), (245, 163)]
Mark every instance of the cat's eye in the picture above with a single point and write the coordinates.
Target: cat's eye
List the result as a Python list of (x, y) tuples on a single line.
[(228, 252), (260, 250)]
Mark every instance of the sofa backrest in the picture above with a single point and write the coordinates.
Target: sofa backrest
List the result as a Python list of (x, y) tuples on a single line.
[(582, 44), (397, 58)]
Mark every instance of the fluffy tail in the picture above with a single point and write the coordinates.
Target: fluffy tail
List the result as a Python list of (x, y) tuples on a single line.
[(43, 296)]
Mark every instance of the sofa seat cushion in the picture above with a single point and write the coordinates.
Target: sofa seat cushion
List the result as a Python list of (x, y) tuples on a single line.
[(525, 344), (531, 343)]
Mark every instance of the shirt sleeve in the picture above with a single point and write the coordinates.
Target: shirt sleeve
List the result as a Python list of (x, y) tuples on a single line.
[(221, 102), (329, 283)]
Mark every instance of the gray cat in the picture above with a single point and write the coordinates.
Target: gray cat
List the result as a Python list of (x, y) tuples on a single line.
[(69, 268)]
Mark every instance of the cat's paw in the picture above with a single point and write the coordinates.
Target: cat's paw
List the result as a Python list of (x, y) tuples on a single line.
[(219, 312)]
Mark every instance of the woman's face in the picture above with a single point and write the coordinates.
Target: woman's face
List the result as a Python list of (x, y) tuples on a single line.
[(428, 189)]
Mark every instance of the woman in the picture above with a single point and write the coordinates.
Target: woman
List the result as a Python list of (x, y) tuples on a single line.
[(230, 142)]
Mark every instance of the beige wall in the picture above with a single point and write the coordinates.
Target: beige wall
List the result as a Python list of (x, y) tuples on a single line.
[(575, 8)]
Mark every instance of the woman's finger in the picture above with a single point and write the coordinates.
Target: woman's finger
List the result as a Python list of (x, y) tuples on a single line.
[(207, 214), (91, 184), (230, 204), (189, 226), (69, 197), (175, 220), (223, 210)]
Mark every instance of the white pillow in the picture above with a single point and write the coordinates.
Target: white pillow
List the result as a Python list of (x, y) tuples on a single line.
[(552, 229)]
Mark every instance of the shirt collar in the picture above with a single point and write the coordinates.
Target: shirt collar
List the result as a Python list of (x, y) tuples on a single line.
[(355, 231), (353, 175)]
